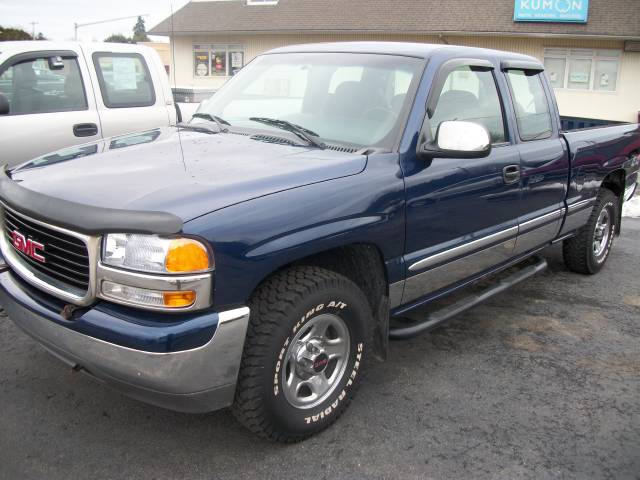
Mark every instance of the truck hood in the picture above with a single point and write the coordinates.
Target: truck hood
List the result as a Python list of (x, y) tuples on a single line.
[(185, 173)]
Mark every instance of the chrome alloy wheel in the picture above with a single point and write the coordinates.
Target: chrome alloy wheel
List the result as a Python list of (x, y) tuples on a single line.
[(315, 361), (602, 233)]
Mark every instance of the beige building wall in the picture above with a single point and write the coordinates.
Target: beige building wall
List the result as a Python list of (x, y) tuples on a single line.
[(621, 105), (163, 50)]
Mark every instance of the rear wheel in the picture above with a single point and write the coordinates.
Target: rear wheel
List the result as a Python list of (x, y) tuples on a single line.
[(307, 339), (588, 251)]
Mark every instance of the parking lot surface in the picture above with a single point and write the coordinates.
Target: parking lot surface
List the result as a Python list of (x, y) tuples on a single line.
[(541, 382)]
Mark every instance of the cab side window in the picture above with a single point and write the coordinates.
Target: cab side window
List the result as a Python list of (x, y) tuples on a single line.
[(124, 79), (40, 86), (531, 105), (470, 95)]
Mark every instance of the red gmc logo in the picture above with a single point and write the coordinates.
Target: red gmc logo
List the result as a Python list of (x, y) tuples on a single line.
[(27, 246)]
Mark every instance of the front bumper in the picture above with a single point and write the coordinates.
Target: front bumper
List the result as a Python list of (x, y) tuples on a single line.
[(196, 380)]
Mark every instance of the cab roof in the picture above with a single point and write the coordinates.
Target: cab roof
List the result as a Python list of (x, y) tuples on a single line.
[(407, 49)]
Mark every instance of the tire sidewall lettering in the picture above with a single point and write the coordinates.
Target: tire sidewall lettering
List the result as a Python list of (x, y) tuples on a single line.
[(338, 305), (333, 404), (333, 407)]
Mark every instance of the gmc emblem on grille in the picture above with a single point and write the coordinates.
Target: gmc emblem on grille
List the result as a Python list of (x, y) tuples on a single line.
[(29, 247)]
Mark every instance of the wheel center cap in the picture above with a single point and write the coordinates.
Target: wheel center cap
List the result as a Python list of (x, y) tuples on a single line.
[(320, 363), (311, 360)]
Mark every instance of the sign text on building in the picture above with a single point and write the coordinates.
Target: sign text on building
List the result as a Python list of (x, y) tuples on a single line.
[(576, 11)]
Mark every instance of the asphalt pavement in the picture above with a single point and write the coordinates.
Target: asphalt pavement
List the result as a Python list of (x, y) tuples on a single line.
[(541, 382)]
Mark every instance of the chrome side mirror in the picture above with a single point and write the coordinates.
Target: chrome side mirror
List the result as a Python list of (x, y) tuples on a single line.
[(459, 139)]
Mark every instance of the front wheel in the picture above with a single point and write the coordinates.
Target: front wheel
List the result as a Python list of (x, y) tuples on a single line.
[(307, 339), (588, 251)]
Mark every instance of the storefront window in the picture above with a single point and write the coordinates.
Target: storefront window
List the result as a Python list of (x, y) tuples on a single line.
[(217, 60), (219, 63), (606, 75), (582, 69), (556, 68), (236, 61), (579, 74)]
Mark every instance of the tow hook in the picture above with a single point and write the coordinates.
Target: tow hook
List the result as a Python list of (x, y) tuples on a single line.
[(68, 311)]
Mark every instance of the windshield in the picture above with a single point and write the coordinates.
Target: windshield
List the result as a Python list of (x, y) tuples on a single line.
[(343, 98)]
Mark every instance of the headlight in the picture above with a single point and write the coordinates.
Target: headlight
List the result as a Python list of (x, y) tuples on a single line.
[(153, 254)]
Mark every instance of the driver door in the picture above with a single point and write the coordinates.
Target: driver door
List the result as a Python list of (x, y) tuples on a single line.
[(462, 214)]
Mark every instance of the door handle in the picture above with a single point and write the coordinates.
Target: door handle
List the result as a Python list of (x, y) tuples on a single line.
[(85, 129), (511, 174)]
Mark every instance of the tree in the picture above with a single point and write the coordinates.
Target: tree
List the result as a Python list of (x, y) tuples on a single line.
[(7, 34), (40, 36), (118, 38), (139, 31)]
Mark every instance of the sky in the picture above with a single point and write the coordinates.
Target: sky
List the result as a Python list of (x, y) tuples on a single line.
[(56, 17)]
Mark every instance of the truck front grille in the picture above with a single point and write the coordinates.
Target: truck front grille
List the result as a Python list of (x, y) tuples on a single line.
[(66, 258)]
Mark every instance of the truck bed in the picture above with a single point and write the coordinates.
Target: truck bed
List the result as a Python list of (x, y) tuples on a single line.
[(595, 152)]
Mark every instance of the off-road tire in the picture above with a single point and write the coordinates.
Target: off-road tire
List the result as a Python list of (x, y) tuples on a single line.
[(280, 308), (578, 251)]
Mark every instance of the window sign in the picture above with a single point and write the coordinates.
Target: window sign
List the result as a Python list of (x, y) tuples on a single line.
[(201, 63), (236, 61), (556, 68), (124, 73), (606, 75), (573, 11), (219, 63)]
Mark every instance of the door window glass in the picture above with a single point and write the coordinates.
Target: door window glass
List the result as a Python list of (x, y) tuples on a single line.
[(43, 85), (124, 80), (531, 105), (471, 96)]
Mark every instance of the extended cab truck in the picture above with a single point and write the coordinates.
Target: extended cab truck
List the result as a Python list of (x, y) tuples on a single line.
[(256, 256), (68, 93)]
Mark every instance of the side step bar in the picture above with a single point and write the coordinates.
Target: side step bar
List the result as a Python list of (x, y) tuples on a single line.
[(436, 318)]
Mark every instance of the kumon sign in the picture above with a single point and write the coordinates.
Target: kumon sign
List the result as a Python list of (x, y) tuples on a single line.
[(576, 11)]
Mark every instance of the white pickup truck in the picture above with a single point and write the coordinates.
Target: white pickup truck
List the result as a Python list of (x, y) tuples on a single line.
[(59, 94)]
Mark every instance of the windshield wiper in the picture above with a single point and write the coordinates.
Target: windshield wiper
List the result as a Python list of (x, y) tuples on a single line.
[(305, 134), (198, 127), (221, 122)]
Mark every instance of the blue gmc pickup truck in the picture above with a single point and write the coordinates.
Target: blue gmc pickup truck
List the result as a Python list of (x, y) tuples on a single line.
[(261, 254)]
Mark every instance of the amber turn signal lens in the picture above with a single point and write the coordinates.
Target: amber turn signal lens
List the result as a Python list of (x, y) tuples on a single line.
[(178, 299), (186, 255)]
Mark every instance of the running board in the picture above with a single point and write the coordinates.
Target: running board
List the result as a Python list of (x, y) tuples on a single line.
[(436, 318)]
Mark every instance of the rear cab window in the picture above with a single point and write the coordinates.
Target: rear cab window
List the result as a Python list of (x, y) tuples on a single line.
[(531, 105), (43, 85), (124, 78)]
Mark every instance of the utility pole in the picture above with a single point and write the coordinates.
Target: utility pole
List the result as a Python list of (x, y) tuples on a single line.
[(33, 26), (79, 25)]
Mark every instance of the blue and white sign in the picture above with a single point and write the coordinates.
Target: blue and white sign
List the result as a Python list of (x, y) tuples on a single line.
[(576, 11)]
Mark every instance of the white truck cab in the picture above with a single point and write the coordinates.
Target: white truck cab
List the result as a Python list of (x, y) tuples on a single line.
[(59, 94)]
